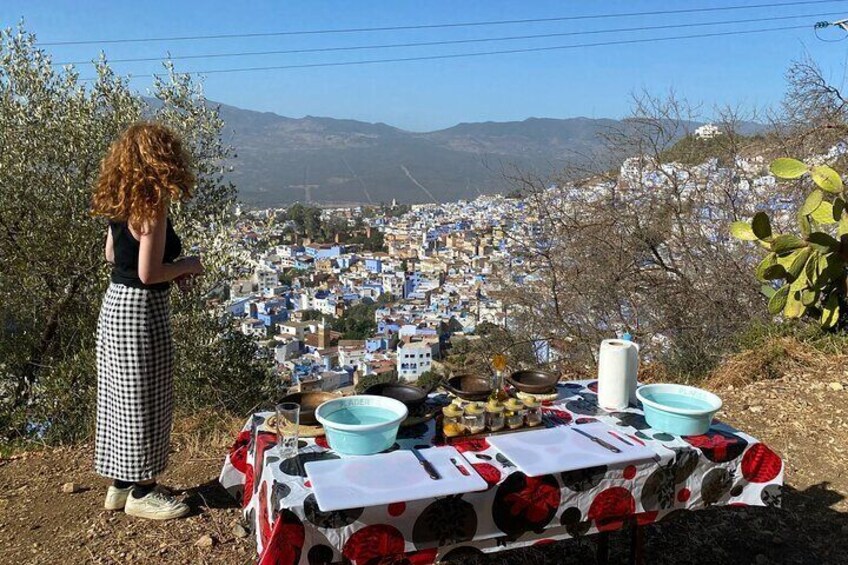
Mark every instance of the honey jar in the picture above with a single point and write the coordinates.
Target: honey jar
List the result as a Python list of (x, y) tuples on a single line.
[(452, 425), (474, 418), (532, 411), (514, 413), (494, 416)]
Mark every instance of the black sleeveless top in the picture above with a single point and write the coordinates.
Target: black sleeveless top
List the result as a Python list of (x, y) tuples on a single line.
[(126, 247)]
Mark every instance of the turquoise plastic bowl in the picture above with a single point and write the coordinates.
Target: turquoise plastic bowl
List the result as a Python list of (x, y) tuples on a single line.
[(678, 409), (361, 425)]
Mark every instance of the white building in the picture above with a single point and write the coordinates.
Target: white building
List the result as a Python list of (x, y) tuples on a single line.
[(413, 360), (254, 327), (707, 131)]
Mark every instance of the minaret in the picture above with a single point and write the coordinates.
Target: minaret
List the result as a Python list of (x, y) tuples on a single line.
[(323, 335)]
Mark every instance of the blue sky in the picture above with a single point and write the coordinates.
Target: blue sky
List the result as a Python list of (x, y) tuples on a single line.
[(743, 70)]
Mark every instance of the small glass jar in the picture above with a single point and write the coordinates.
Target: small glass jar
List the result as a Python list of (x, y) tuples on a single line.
[(514, 415), (474, 418), (494, 416), (532, 411), (460, 403), (452, 424)]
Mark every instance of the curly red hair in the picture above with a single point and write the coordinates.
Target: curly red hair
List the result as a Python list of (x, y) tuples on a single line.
[(144, 169)]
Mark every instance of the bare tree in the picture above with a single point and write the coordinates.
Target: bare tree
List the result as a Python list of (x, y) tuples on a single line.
[(643, 247)]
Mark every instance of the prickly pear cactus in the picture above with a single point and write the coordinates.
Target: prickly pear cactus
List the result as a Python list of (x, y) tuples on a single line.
[(804, 274)]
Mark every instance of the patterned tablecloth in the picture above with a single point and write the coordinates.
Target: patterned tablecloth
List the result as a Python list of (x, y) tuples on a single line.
[(722, 467)]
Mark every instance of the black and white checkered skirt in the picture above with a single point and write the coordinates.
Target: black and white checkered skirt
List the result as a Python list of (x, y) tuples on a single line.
[(135, 357)]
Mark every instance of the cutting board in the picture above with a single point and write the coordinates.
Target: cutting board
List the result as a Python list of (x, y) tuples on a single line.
[(371, 480), (558, 449)]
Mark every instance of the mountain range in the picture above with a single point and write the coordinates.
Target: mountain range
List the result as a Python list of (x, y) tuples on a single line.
[(282, 160)]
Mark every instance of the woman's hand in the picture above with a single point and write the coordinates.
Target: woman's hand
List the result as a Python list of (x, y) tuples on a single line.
[(191, 265)]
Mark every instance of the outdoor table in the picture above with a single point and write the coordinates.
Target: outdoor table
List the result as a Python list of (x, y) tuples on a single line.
[(722, 467)]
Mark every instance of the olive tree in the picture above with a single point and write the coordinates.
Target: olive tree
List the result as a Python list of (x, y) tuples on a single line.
[(54, 130)]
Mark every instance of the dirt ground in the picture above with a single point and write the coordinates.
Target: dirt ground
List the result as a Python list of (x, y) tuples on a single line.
[(803, 417)]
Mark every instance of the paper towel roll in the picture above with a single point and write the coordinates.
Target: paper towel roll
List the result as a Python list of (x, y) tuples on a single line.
[(618, 364)]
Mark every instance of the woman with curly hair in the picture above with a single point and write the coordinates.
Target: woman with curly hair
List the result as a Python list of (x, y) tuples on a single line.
[(145, 169)]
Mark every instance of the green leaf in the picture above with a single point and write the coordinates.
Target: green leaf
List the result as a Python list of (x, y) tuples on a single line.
[(768, 261), (767, 290), (761, 226), (774, 272), (826, 178), (824, 213), (838, 208), (794, 307), (830, 311), (809, 297), (804, 224), (811, 271), (799, 260), (777, 302), (823, 241), (787, 168), (743, 231), (812, 202), (830, 266), (787, 242), (843, 226)]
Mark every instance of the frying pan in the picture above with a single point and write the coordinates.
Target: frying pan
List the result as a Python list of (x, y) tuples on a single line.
[(469, 387), (412, 396), (533, 381)]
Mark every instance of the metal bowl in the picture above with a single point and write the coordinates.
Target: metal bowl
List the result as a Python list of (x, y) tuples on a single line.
[(308, 401), (533, 381), (469, 387)]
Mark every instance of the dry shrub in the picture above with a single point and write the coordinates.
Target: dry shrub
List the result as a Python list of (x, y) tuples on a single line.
[(774, 358), (204, 432), (655, 372)]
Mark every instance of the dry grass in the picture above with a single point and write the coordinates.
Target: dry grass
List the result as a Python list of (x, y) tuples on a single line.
[(772, 359), (205, 433)]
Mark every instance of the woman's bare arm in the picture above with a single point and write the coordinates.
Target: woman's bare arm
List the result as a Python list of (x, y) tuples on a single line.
[(151, 269), (110, 247)]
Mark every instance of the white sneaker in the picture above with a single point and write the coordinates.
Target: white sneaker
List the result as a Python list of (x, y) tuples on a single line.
[(156, 505), (116, 497)]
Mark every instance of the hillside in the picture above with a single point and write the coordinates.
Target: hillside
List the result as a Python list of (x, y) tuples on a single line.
[(800, 414), (282, 160)]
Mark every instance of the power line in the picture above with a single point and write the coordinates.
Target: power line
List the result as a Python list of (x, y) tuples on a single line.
[(487, 53), (438, 26), (453, 41)]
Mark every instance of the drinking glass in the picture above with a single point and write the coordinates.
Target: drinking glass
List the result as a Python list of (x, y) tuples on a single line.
[(288, 420)]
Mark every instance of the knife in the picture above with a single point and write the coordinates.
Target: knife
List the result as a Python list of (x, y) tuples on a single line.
[(599, 441), (427, 465)]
